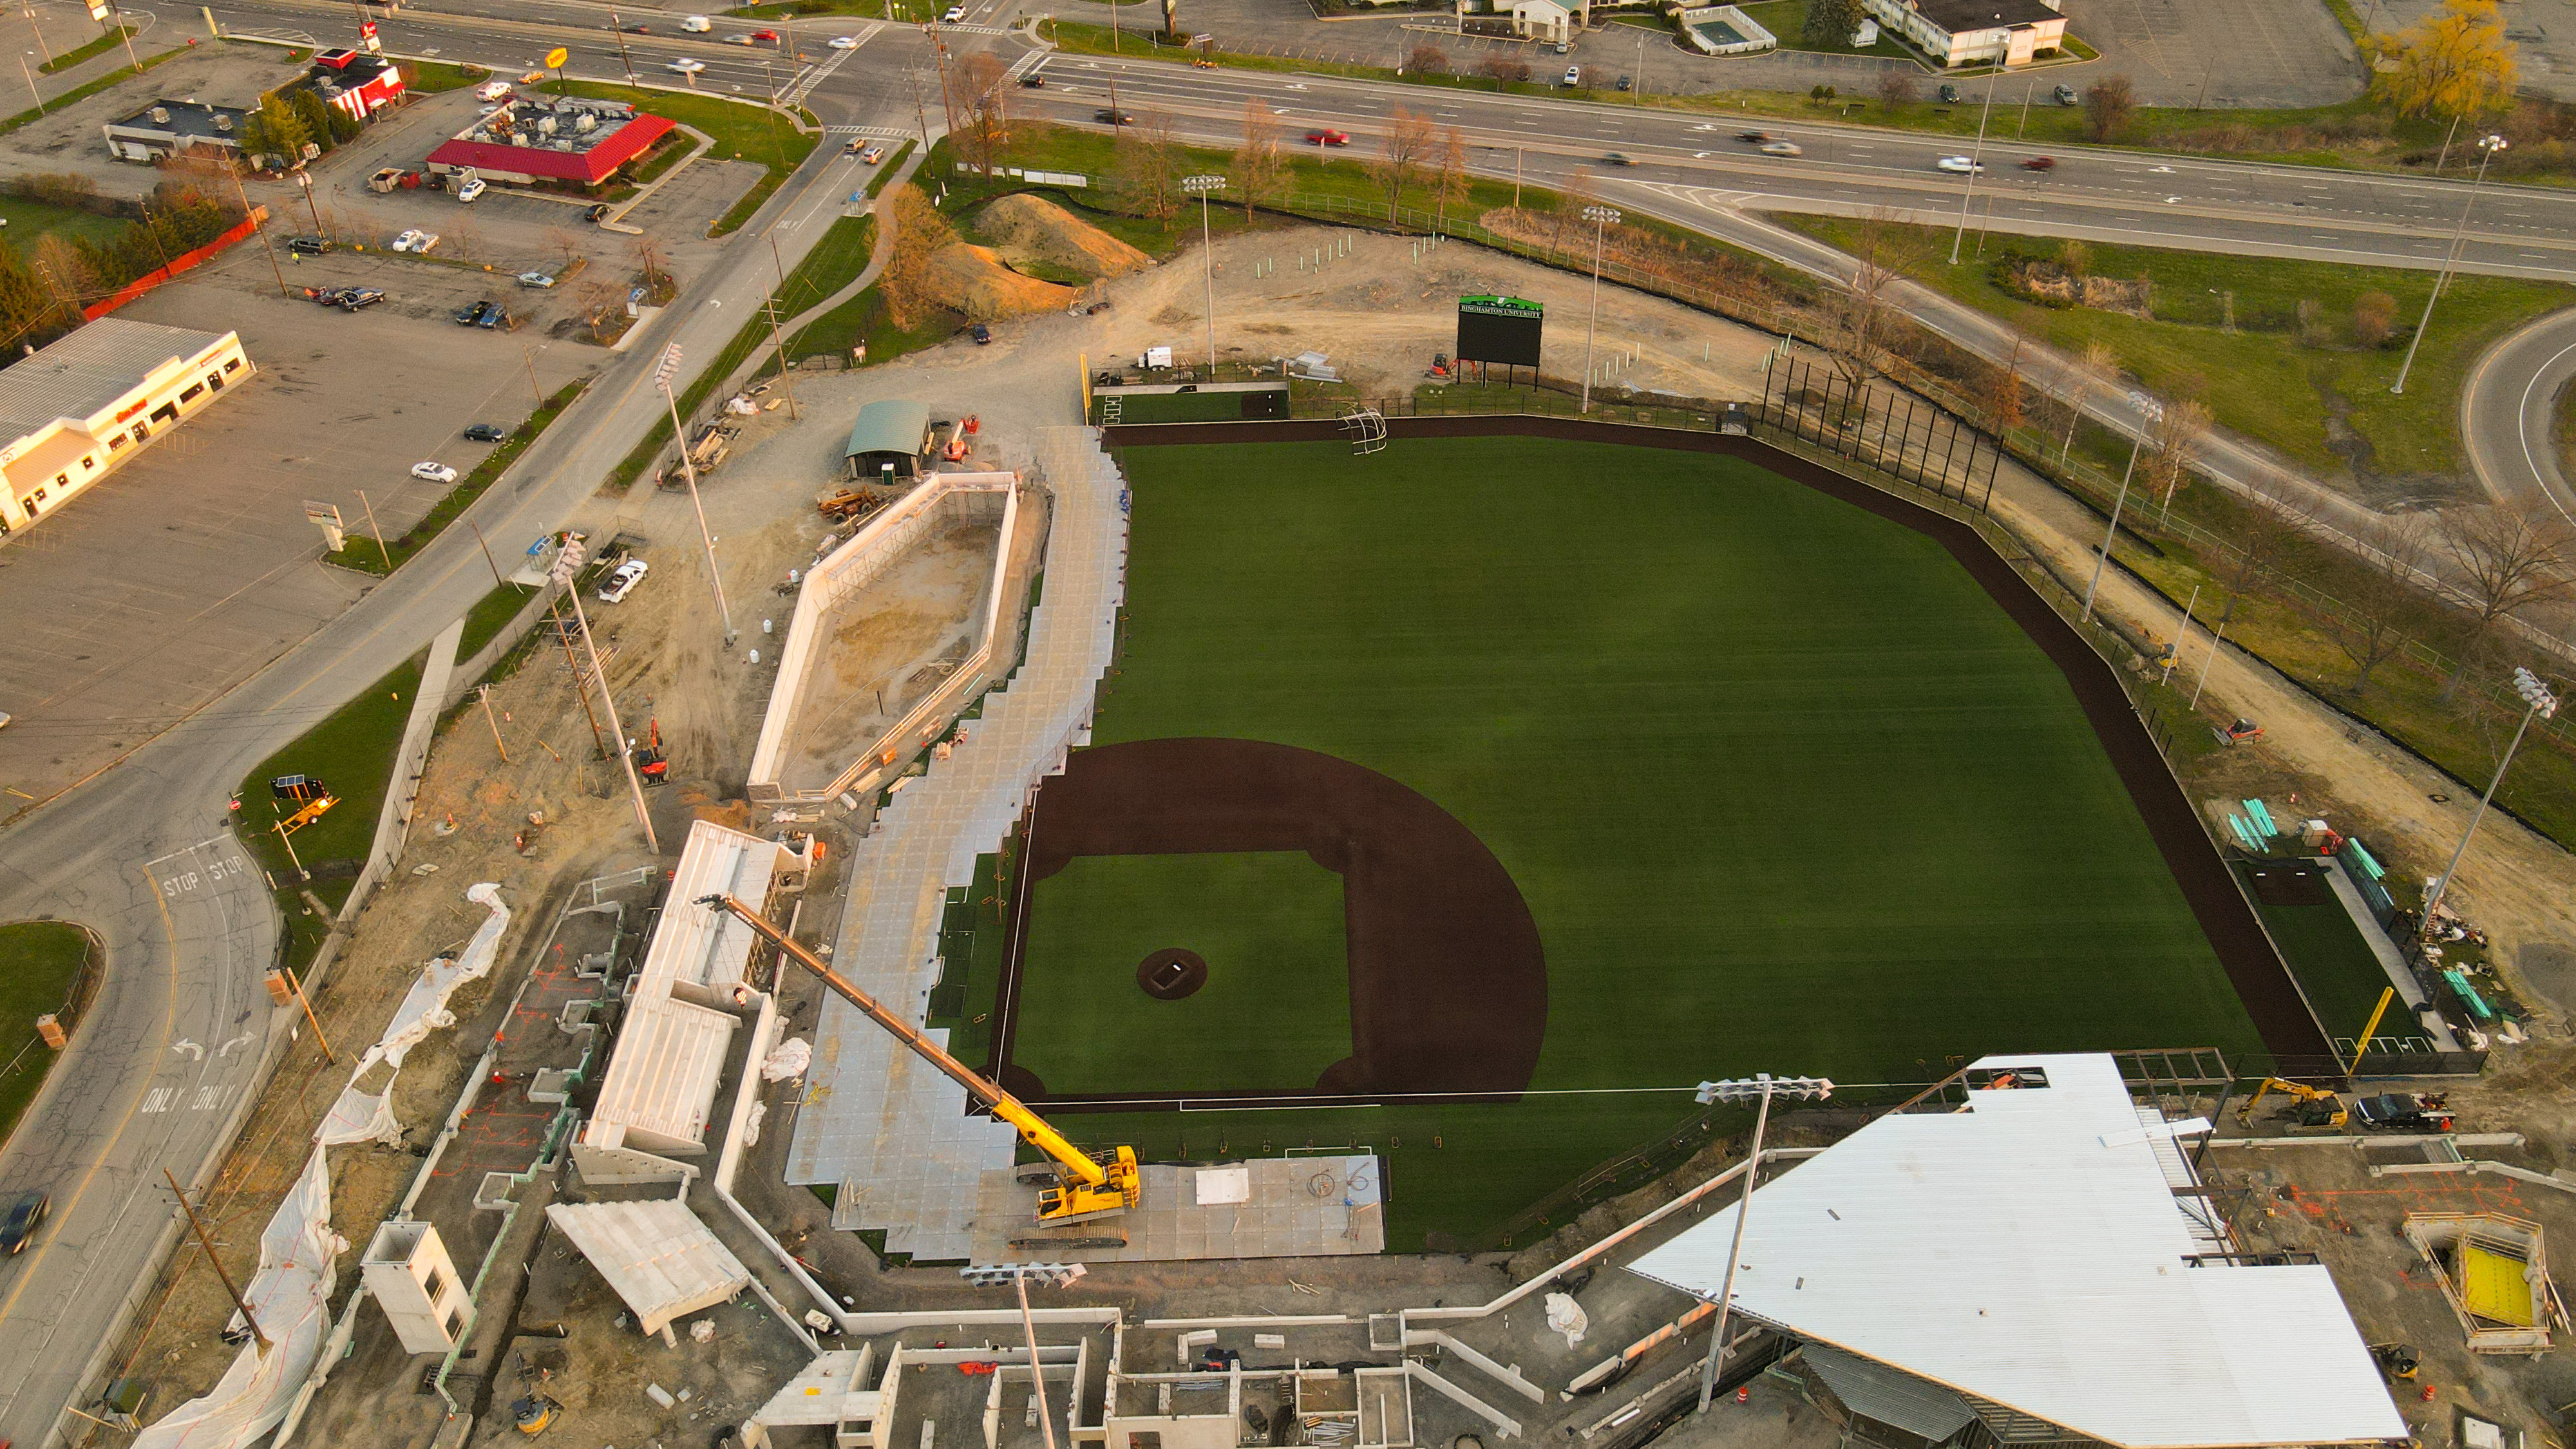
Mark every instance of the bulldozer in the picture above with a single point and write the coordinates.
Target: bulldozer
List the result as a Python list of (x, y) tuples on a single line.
[(2312, 1109), (1088, 1185)]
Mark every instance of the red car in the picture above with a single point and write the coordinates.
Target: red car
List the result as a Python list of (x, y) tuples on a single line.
[(771, 36), (1327, 138), (2040, 163)]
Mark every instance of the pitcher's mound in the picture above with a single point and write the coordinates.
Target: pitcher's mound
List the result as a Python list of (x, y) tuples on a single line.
[(1172, 974)]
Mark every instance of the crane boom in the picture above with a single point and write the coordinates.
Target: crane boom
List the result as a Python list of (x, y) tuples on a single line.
[(1089, 1187)]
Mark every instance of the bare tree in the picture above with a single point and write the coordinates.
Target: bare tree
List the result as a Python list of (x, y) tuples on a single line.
[(1408, 145), (2512, 556), (2096, 369), (1896, 87), (1580, 189), (1504, 70), (1426, 59), (2003, 399), (1140, 168), (564, 244), (2275, 518), (1450, 181), (2379, 595), (983, 95), (651, 260), (599, 302), (2179, 434), (1257, 162), (1866, 313)]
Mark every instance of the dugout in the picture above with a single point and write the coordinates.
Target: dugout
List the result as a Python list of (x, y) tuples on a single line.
[(889, 440)]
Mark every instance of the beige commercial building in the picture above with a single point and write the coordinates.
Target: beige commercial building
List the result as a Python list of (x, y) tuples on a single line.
[(76, 411)]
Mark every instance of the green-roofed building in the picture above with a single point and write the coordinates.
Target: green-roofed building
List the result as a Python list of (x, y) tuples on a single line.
[(888, 440)]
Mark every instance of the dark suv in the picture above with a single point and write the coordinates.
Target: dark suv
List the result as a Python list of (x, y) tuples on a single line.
[(308, 246), (357, 297), (2404, 1112), (18, 1222)]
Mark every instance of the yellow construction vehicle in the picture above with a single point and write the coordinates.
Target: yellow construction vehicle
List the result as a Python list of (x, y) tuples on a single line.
[(2314, 1109), (1087, 1186)]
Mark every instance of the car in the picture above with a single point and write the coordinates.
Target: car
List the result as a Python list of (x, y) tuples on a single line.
[(308, 246), (1034, 80), (697, 24), (5, 717), (1327, 138), (470, 188), (843, 42), (1781, 148), (1755, 137), (491, 90), (2039, 163), (639, 30), (327, 296), (1564, 48), (766, 36), (468, 316), (485, 433), (407, 240), (1574, 75), (1618, 158), (26, 1210), (685, 66), (735, 40), (539, 280), (622, 582), (356, 297), (873, 154), (433, 471), (955, 14), (1626, 83), (2404, 1112), (982, 334), (420, 242), (1960, 165), (494, 318), (2066, 95), (1108, 117), (1949, 95), (598, 212)]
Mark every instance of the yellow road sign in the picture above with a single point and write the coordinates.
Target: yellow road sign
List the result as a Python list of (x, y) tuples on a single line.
[(556, 57)]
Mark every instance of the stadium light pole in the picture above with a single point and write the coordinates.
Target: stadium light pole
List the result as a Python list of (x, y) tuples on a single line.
[(1976, 160), (1601, 217), (662, 375), (1200, 186), (567, 572), (2489, 146), (1054, 1275), (2155, 412), (2541, 704), (1762, 1086)]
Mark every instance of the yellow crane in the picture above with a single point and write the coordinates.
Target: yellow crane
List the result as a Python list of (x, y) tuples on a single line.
[(2315, 1109), (1088, 1185)]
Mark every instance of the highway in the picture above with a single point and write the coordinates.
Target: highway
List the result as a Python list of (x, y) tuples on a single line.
[(141, 855)]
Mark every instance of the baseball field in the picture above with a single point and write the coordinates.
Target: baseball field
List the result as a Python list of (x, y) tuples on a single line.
[(1511, 786)]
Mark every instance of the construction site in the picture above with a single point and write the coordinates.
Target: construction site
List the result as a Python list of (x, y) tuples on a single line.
[(671, 1092)]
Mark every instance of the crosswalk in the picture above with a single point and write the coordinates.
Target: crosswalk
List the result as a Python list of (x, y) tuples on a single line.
[(873, 133)]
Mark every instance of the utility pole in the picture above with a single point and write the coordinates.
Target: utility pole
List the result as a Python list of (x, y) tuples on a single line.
[(497, 580), (304, 180), (294, 987), (485, 695), (1600, 217), (530, 358), (32, 24), (378, 532), (779, 268), (117, 18), (2488, 146), (1976, 159), (1054, 1275), (568, 568), (264, 245), (208, 1244), (662, 375), (572, 662), (32, 93), (1762, 1086), (617, 28)]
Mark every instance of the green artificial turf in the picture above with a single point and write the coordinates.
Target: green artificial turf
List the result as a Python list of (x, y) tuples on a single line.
[(1784, 790), (1275, 1011), (2333, 963), (1179, 407)]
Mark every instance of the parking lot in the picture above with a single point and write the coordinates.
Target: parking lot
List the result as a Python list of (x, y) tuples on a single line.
[(68, 138), (192, 566), (2217, 53)]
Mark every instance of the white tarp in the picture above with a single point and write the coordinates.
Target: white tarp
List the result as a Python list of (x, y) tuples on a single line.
[(1217, 1186), (789, 1058), (359, 1117), (291, 1297), (424, 1008)]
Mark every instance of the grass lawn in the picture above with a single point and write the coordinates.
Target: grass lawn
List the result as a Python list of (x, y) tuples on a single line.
[(1784, 790), (30, 222), (87, 49), (741, 132), (1787, 22), (2260, 379), (2333, 962), (1269, 926), (439, 75), (38, 963)]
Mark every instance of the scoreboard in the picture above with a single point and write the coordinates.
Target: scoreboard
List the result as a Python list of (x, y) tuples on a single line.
[(1499, 329)]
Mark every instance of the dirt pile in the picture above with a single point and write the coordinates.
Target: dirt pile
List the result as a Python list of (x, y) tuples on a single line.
[(1029, 230), (2052, 282), (972, 280)]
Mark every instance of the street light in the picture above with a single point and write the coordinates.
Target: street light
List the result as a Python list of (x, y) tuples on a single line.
[(2153, 411), (2489, 145), (1601, 217), (1054, 1275), (31, 81), (1761, 1086), (1976, 158), (567, 572), (1201, 186), (2541, 703), (662, 375)]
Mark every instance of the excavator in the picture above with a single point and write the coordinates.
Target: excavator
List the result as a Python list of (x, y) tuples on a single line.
[(2314, 1109), (1088, 1186)]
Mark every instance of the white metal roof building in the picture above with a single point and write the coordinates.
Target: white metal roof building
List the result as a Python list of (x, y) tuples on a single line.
[(76, 410), (2039, 1254)]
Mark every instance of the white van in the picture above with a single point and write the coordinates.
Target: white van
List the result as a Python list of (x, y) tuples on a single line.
[(697, 25)]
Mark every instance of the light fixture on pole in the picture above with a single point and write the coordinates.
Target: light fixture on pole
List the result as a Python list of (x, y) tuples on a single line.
[(1054, 1275), (1976, 162), (1200, 186), (2489, 146), (2153, 412), (567, 573), (2539, 703), (1601, 218), (1761, 1087), (663, 373)]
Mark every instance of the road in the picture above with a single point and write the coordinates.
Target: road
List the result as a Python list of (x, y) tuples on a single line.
[(141, 855), (2508, 411)]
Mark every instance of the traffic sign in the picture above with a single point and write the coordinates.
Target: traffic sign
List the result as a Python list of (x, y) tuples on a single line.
[(556, 57)]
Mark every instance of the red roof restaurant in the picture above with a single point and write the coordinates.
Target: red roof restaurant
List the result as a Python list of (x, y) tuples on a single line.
[(528, 139)]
